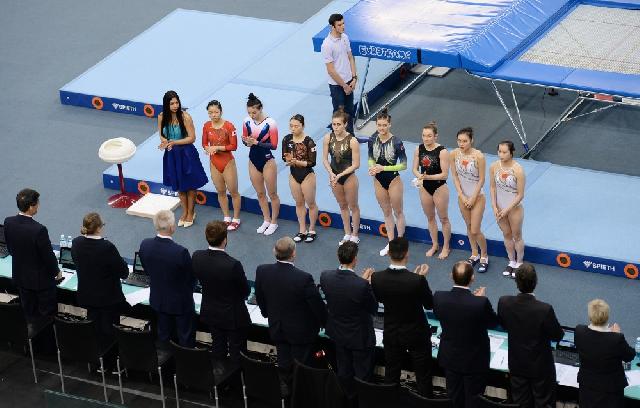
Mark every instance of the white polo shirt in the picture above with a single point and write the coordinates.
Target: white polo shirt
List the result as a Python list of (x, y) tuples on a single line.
[(337, 50)]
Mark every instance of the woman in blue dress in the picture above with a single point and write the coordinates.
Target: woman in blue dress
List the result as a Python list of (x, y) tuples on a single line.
[(182, 169)]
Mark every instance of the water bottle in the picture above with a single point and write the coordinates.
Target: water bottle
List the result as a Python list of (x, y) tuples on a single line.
[(63, 242), (638, 351), (69, 240)]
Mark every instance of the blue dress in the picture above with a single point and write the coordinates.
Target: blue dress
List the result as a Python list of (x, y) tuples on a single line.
[(182, 169)]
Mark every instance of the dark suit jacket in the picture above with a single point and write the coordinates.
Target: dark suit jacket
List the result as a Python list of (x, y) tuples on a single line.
[(531, 325), (601, 357), (405, 295), (99, 267), (169, 266), (464, 342), (33, 263), (290, 300), (350, 304), (224, 289)]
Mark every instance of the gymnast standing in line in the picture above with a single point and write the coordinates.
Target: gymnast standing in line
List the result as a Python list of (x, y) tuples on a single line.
[(468, 169), (431, 166), (260, 133), (507, 193), (344, 151), (299, 153), (386, 158), (219, 139), (181, 166)]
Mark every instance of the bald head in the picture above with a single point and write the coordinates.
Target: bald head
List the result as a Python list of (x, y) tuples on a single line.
[(462, 273), (285, 249)]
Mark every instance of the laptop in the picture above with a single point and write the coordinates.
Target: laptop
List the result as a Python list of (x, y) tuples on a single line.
[(65, 260), (4, 252), (565, 351), (138, 276)]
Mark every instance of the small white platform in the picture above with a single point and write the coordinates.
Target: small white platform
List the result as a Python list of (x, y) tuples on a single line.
[(150, 204)]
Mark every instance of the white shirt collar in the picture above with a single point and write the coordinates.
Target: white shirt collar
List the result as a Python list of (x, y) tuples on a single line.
[(604, 329), (25, 215), (287, 262), (164, 236), (93, 236), (461, 287), (344, 268), (397, 267), (216, 248)]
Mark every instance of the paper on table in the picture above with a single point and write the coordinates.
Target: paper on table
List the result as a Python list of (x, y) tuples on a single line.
[(495, 342), (567, 375), (197, 300), (70, 281), (138, 296), (257, 318), (633, 377), (378, 333), (500, 360), (66, 276)]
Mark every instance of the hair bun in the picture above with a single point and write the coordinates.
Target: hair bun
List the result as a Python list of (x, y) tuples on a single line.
[(384, 112), (252, 96)]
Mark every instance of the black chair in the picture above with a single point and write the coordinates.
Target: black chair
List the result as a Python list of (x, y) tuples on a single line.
[(77, 340), (484, 402), (137, 351), (16, 331), (316, 388), (260, 380), (196, 368), (415, 400), (376, 395)]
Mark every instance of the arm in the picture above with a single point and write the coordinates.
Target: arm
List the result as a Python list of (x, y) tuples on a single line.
[(188, 269), (233, 138), (492, 189), (369, 300), (119, 265), (520, 177), (243, 284), (163, 139), (401, 159), (627, 352), (490, 315), (191, 132), (205, 141), (245, 132), (285, 149), (260, 299), (427, 296), (355, 158), (46, 251), (325, 155), (354, 71), (310, 160), (272, 143), (370, 160), (444, 166), (454, 173), (312, 296), (552, 327), (416, 164), (482, 169)]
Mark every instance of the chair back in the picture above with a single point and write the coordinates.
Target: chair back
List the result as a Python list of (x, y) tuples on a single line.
[(261, 380), (77, 340), (484, 402), (14, 324), (316, 388), (193, 367), (376, 395), (137, 349), (415, 400)]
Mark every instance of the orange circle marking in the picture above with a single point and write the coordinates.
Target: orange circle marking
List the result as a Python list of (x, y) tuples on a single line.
[(382, 229), (97, 103), (631, 271), (143, 187), (149, 111), (563, 260), (201, 198), (324, 219)]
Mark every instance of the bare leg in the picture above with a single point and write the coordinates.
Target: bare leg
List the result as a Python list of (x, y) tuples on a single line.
[(351, 194), (396, 191), (230, 175), (477, 211), (221, 188), (270, 178), (301, 210), (183, 204), (382, 196), (309, 193), (429, 209), (508, 238), (339, 193), (516, 217), (466, 215), (191, 205), (441, 201), (258, 184)]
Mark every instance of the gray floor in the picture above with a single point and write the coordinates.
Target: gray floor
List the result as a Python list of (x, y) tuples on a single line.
[(53, 148)]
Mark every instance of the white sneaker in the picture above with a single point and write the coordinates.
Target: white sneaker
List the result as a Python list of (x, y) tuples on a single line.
[(355, 239), (271, 229), (346, 238), (384, 251), (263, 227)]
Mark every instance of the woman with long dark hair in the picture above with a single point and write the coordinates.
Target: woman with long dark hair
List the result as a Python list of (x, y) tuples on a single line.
[(182, 169)]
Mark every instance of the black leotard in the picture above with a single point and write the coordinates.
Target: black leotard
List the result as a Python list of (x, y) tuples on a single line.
[(430, 164), (303, 151)]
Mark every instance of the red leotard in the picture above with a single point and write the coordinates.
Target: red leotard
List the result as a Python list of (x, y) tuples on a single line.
[(225, 136)]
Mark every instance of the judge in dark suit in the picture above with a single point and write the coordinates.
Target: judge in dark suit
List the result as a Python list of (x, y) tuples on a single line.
[(169, 267), (33, 263), (224, 291), (602, 350), (350, 305), (289, 298), (464, 343), (405, 296), (99, 267), (532, 326)]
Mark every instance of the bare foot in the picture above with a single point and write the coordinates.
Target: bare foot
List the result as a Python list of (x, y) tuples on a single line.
[(444, 254), (432, 251)]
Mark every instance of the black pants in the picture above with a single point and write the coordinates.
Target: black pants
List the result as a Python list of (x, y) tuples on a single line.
[(590, 398), (230, 342), (37, 304), (534, 392), (354, 363), (395, 348), (287, 353), (104, 318), (339, 99), (184, 326), (463, 388)]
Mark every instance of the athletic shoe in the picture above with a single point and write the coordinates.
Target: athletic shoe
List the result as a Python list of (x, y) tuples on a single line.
[(233, 225), (271, 229), (346, 238), (261, 229), (384, 251), (355, 239)]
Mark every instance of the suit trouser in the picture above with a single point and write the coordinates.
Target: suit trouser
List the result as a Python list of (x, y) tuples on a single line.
[(184, 324), (354, 363), (230, 342), (463, 388), (420, 353), (534, 392), (104, 318), (38, 303), (288, 352), (590, 398)]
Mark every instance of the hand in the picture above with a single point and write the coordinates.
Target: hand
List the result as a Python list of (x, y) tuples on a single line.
[(616, 328), (170, 145), (163, 143), (422, 269), (59, 275), (502, 213), (333, 179), (469, 202), (347, 89), (481, 291), (496, 213), (366, 274), (424, 177), (252, 141), (288, 157)]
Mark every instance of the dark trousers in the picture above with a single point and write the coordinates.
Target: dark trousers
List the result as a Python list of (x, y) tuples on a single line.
[(354, 363), (37, 304), (590, 398), (287, 353), (534, 392), (230, 342), (419, 351), (184, 326), (340, 99), (463, 388), (104, 318)]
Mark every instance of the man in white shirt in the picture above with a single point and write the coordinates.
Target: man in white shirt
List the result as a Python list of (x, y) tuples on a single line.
[(341, 68)]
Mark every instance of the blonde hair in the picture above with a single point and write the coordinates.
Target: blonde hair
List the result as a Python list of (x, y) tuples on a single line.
[(431, 125), (164, 220), (91, 223), (598, 312)]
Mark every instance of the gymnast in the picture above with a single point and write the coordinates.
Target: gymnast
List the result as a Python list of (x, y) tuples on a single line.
[(507, 193), (344, 151), (260, 133), (219, 139), (468, 169), (299, 153), (181, 166), (386, 158), (431, 166)]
